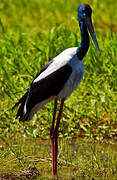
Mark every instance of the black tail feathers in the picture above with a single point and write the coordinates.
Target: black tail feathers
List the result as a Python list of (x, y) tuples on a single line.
[(20, 113)]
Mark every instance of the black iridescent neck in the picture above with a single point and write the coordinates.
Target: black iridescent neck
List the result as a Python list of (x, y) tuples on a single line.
[(83, 48)]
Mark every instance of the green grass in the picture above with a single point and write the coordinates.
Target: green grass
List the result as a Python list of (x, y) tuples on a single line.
[(31, 34)]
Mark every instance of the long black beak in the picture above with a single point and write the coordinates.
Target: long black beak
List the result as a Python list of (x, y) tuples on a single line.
[(89, 24)]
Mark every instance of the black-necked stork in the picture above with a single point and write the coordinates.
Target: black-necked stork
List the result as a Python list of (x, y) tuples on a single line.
[(57, 80)]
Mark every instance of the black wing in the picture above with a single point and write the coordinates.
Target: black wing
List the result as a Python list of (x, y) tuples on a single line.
[(42, 70), (24, 97), (43, 89), (47, 87)]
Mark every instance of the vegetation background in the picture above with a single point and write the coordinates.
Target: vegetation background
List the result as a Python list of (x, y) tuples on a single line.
[(31, 34)]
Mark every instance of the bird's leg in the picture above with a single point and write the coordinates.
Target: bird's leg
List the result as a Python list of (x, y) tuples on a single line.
[(54, 114), (52, 137), (56, 134)]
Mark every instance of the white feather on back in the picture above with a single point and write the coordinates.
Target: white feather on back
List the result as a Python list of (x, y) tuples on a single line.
[(59, 61)]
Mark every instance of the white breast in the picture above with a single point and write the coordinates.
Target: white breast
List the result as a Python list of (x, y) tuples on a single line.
[(74, 79)]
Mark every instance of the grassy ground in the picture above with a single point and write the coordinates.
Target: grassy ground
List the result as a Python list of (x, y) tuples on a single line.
[(31, 34), (77, 158)]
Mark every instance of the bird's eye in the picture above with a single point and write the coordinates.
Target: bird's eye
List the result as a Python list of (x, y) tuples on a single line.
[(85, 11)]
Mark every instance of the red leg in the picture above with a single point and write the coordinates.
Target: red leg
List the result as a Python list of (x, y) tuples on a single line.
[(52, 152), (52, 136), (56, 135)]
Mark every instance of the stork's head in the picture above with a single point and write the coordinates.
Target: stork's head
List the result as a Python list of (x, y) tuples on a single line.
[(84, 15), (84, 11)]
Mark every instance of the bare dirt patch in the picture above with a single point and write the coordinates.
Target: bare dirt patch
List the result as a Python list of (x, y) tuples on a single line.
[(25, 174)]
